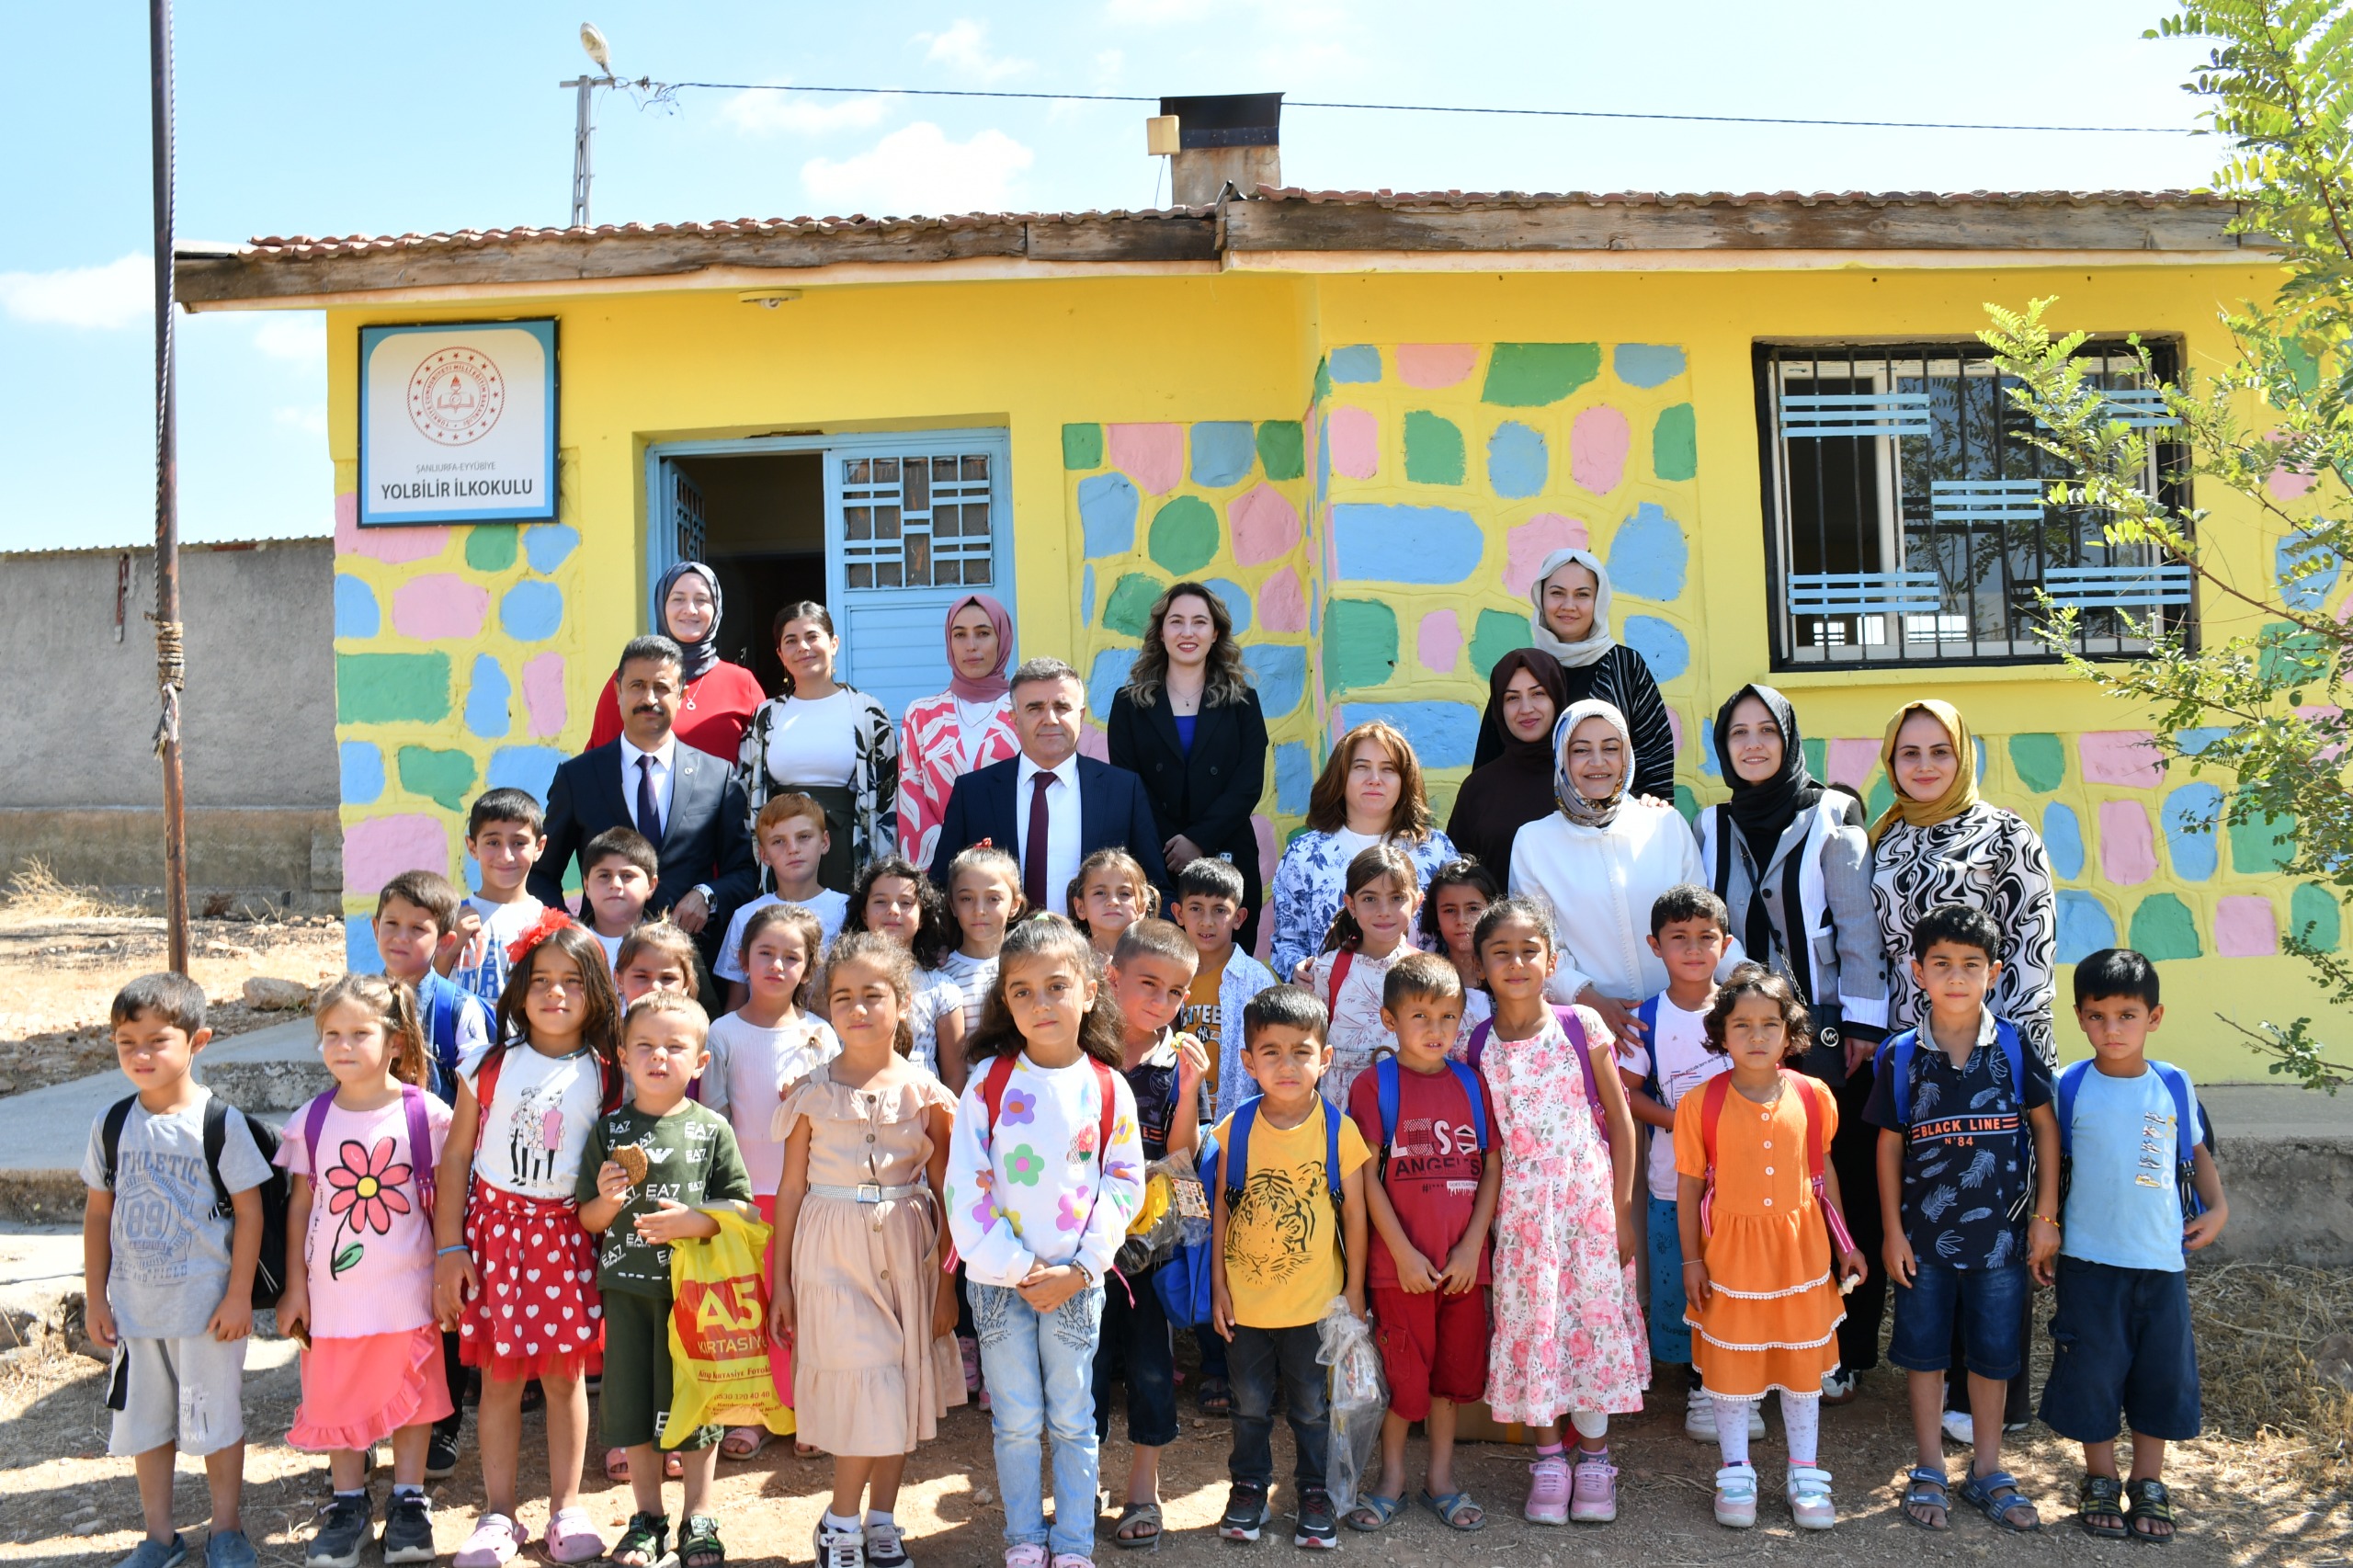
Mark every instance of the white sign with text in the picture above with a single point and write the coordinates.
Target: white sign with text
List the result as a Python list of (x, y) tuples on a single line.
[(457, 423)]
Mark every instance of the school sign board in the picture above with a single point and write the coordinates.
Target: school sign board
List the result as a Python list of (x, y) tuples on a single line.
[(457, 423)]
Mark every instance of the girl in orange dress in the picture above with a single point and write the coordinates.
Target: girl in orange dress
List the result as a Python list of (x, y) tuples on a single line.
[(1768, 1257)]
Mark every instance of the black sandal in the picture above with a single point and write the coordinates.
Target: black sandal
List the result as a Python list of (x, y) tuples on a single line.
[(2150, 1501), (648, 1536), (698, 1545), (2099, 1507), (1216, 1397)]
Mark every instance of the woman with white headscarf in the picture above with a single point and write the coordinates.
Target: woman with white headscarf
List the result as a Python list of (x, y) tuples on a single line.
[(1599, 863), (1570, 620)]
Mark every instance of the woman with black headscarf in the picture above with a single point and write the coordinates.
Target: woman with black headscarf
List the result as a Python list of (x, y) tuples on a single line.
[(721, 698), (1526, 693)]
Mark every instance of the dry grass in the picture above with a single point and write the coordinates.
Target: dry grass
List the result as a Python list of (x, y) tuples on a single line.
[(36, 893), (2259, 1330)]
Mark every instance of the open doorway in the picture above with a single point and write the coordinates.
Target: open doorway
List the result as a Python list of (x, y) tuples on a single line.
[(764, 534)]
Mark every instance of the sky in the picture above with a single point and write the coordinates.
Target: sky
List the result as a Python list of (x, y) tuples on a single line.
[(365, 117)]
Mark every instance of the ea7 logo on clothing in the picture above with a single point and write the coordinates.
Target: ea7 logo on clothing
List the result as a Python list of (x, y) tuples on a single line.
[(720, 1320), (455, 395)]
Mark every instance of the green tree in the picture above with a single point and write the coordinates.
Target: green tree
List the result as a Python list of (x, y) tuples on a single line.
[(2264, 704)]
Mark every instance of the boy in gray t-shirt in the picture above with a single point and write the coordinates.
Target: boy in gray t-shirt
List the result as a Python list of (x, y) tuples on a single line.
[(168, 1283)]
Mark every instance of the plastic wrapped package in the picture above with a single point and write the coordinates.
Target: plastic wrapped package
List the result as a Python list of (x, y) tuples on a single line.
[(1360, 1400)]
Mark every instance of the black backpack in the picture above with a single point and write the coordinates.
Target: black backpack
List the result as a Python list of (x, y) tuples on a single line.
[(270, 1272)]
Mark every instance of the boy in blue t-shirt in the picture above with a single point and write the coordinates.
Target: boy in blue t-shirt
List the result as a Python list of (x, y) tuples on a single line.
[(2121, 1337)]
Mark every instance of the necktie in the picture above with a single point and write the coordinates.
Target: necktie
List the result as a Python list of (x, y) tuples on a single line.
[(1033, 847), (648, 814)]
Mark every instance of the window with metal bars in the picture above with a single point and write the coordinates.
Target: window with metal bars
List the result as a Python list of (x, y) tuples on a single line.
[(1905, 520), (915, 522)]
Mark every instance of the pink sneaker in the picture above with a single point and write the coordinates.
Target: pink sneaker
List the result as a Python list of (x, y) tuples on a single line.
[(1548, 1494), (1596, 1493), (496, 1540)]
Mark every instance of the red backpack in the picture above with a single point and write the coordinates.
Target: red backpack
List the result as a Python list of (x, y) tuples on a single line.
[(1000, 1073)]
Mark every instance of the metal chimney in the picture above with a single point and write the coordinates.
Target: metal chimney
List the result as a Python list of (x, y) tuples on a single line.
[(1224, 139)]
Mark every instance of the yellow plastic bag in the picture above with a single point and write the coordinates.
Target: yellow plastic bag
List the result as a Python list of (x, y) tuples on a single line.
[(719, 1330)]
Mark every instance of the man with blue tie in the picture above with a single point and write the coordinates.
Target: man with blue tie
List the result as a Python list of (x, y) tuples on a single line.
[(688, 805), (1049, 807)]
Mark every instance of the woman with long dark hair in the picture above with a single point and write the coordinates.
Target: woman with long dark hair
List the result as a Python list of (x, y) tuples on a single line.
[(720, 698), (827, 740)]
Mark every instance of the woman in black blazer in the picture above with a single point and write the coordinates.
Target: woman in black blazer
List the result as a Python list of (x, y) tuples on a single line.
[(1189, 726)]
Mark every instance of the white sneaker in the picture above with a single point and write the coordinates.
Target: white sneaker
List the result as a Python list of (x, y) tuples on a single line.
[(1810, 1506), (1736, 1496), (1960, 1428), (1699, 1418), (1838, 1386)]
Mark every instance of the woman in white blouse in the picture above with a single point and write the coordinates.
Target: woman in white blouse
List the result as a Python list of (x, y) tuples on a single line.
[(1600, 862), (825, 740)]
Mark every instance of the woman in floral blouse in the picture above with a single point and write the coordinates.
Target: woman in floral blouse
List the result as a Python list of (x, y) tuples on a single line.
[(1370, 792), (969, 725), (828, 741)]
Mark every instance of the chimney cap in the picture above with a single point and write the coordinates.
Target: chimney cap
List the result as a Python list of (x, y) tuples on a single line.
[(1227, 119)]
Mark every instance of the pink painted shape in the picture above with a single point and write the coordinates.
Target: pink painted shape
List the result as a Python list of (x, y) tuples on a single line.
[(1282, 603), (1151, 455), (393, 546), (2285, 485), (1439, 641), (2323, 713), (543, 695), (1263, 831), (1526, 547), (1674, 726), (2120, 756), (380, 848), (1356, 443), (1095, 742), (1435, 364), (1851, 762), (1265, 525), (1597, 446), (2246, 928), (441, 605), (2128, 849)]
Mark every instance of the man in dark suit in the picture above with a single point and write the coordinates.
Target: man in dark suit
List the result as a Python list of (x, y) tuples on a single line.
[(1050, 808), (688, 804)]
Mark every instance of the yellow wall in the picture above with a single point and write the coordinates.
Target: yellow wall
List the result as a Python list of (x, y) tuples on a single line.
[(1175, 358)]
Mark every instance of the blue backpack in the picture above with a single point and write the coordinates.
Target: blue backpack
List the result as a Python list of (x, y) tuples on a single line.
[(1181, 1279), (2189, 1121), (1898, 1052), (1237, 1157), (1385, 1081), (444, 1002)]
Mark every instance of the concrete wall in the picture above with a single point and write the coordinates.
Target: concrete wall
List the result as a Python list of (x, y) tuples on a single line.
[(80, 788)]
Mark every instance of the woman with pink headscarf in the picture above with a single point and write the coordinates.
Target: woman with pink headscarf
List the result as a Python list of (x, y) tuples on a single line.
[(969, 725)]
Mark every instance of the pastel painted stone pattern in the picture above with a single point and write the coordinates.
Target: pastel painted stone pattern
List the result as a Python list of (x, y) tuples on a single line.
[(2245, 926), (441, 605), (2128, 757), (1434, 365), (2128, 851), (1151, 455), (1599, 442), (1438, 642)]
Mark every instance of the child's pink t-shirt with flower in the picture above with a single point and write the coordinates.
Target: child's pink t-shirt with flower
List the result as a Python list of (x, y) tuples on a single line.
[(369, 1251)]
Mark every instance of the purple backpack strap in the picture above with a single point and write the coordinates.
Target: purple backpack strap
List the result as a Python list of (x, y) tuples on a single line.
[(315, 1121), (1479, 1033), (420, 1146), (1574, 1027)]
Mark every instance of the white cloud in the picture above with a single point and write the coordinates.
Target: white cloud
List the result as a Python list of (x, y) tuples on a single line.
[(965, 48), (761, 113), (1109, 63), (118, 294), (917, 169), (299, 337)]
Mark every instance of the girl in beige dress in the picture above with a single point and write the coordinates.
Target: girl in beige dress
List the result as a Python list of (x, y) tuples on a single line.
[(858, 1233)]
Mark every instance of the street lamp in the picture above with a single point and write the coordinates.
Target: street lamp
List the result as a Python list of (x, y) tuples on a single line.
[(600, 54)]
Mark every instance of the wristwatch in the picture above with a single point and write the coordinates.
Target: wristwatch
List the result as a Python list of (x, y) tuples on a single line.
[(709, 898)]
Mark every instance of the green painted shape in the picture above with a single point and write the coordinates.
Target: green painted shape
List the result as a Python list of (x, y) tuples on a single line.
[(1282, 448), (2041, 761), (1128, 609), (391, 688), (1878, 797), (2314, 917), (1359, 645), (2287, 654), (1082, 445), (490, 547), (1687, 802), (1497, 632), (445, 778), (1324, 379), (1817, 755), (1184, 536), (2163, 927), (1675, 443), (1529, 375), (1433, 448), (2263, 844)]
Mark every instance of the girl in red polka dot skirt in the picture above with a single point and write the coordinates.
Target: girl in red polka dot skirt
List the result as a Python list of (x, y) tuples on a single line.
[(519, 1284)]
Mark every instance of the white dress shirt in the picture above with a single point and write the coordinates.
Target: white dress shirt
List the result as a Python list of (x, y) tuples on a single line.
[(1599, 884), (666, 774), (1062, 854)]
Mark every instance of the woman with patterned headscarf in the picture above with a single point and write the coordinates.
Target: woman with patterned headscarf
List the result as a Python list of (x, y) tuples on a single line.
[(720, 698), (969, 725)]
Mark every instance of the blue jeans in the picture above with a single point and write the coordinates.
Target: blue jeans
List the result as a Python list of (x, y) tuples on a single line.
[(1670, 1337), (1988, 1304), (1040, 1371)]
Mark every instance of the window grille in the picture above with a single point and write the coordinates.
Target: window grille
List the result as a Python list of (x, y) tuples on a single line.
[(915, 522), (1905, 514)]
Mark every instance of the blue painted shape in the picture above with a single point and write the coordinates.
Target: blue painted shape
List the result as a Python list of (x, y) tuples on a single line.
[(1224, 452), (1107, 675), (1444, 733), (531, 611), (1294, 777), (355, 611), (1107, 513), (1356, 362), (1236, 600), (363, 772), (2063, 840), (1322, 459), (1661, 644), (1279, 672), (2194, 742), (1648, 555), (489, 697), (1517, 464), (1707, 750), (474, 875), (1647, 364), (1087, 594), (548, 545), (2195, 855), (2306, 593), (1316, 611), (1978, 743), (1378, 543), (2084, 926), (359, 952), (528, 768)]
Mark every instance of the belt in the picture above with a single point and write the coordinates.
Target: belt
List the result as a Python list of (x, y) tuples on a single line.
[(867, 1192)]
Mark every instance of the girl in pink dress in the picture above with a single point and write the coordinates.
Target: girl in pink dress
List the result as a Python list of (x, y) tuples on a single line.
[(969, 725), (1566, 1339)]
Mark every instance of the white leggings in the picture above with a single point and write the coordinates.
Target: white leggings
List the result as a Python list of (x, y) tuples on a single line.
[(1591, 1425), (1801, 1421)]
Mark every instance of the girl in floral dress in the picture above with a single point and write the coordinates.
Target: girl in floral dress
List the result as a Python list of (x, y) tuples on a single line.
[(1566, 1337)]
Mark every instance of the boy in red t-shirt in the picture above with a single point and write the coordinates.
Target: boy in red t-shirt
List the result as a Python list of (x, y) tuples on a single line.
[(1432, 1207)]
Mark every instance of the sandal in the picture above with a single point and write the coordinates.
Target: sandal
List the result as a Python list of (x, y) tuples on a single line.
[(573, 1538), (643, 1544), (496, 1539), (743, 1442), (1456, 1510), (1216, 1397), (2153, 1502), (2099, 1507), (1373, 1511), (698, 1545), (1927, 1488), (1986, 1495), (1146, 1536), (617, 1466)]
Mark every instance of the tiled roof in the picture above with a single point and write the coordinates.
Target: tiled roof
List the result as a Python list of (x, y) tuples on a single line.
[(1467, 198)]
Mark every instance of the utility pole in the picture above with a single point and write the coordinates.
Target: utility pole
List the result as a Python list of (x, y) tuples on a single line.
[(580, 128), (171, 663)]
